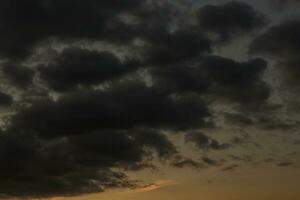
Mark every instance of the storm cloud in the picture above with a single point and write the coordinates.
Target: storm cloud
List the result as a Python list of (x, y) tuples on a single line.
[(219, 76), (18, 75), (229, 20), (205, 142), (127, 105), (72, 166), (75, 67), (281, 42), (119, 78)]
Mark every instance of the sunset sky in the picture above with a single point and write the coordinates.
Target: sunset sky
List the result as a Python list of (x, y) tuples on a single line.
[(150, 99)]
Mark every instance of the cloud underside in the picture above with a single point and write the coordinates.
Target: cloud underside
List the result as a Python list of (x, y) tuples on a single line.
[(81, 116)]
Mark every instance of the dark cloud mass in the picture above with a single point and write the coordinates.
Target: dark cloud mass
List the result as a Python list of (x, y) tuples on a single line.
[(94, 130), (75, 66), (119, 77), (283, 3), (5, 99), (27, 23), (281, 42), (186, 162), (209, 161), (33, 167), (230, 19), (231, 168), (124, 106), (176, 47), (205, 142), (18, 75), (284, 164), (222, 77), (237, 120), (241, 82)]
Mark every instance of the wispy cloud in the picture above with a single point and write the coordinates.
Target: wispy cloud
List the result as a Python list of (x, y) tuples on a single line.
[(154, 186)]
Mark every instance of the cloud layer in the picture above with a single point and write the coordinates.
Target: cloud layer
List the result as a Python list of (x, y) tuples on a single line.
[(119, 76)]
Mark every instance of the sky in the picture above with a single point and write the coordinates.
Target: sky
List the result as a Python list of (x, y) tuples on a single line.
[(150, 99)]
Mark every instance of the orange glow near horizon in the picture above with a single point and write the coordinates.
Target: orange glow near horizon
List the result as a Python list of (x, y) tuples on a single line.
[(259, 183)]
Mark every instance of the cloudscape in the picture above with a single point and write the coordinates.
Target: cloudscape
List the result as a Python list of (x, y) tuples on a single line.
[(150, 99)]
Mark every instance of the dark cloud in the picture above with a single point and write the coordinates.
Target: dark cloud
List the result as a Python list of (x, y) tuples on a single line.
[(231, 168), (240, 82), (87, 132), (279, 4), (242, 158), (180, 77), (175, 47), (230, 19), (107, 148), (244, 140), (285, 164), (182, 163), (18, 75), (155, 140), (281, 42), (65, 137), (5, 99), (269, 123), (76, 165), (209, 161), (147, 165), (237, 119), (262, 121), (204, 142), (26, 24), (77, 66), (222, 77), (127, 105), (290, 71)]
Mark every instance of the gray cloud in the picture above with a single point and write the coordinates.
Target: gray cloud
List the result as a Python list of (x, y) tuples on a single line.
[(231, 168), (229, 20), (76, 66), (18, 75), (204, 142), (182, 163), (66, 137), (127, 105), (36, 167), (281, 42)]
